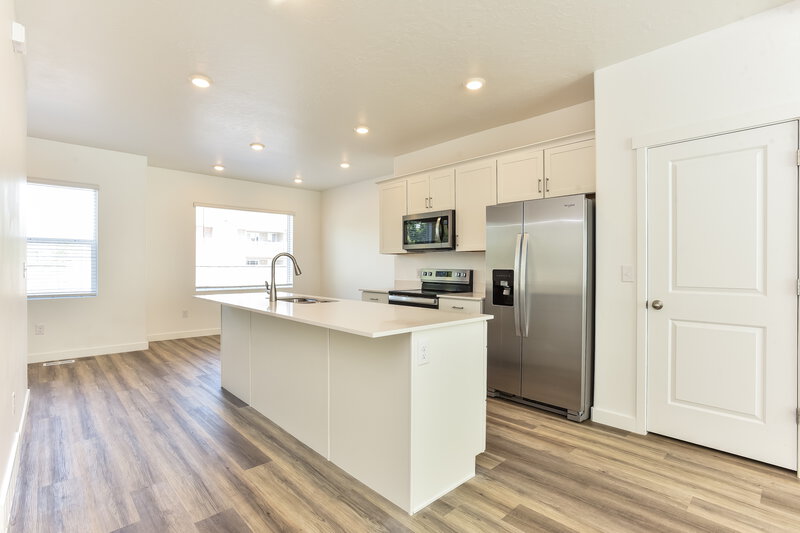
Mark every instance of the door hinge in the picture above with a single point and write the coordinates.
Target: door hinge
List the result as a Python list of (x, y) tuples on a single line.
[(798, 287), (797, 413), (798, 158)]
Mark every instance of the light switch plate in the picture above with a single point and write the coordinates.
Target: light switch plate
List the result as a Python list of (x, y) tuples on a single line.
[(627, 273)]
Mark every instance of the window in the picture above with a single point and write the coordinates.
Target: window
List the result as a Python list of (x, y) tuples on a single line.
[(235, 247), (62, 240)]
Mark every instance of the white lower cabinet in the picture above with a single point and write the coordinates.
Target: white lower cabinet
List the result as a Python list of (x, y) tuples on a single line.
[(376, 297), (457, 305)]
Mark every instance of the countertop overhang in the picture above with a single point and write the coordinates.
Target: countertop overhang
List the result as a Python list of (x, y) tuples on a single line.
[(350, 316)]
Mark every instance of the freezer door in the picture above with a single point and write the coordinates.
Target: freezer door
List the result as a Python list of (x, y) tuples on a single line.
[(557, 282), (503, 229)]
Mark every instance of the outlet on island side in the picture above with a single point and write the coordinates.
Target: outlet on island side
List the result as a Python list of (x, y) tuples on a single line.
[(38, 329), (423, 357)]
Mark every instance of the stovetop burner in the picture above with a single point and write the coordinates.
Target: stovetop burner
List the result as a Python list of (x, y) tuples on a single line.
[(434, 283)]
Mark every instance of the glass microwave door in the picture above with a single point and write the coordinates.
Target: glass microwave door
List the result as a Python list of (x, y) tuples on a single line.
[(419, 231)]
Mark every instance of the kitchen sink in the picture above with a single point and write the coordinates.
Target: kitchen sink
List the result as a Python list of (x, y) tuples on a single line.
[(303, 300)]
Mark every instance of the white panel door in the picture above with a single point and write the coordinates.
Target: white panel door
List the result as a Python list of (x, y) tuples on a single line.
[(520, 176), (476, 187), (722, 267), (442, 190)]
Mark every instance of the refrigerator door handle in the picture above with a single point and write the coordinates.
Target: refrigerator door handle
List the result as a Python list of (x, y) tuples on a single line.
[(517, 256), (523, 291)]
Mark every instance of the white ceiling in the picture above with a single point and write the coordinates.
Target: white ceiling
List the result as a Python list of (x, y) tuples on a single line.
[(299, 75)]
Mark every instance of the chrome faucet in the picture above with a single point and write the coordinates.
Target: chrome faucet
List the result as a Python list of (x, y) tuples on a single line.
[(273, 292)]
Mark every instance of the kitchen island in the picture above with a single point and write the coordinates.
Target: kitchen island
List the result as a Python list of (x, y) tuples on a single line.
[(393, 395)]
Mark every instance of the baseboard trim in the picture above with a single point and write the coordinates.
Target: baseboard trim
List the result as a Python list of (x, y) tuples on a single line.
[(86, 352), (614, 419), (12, 468), (171, 335)]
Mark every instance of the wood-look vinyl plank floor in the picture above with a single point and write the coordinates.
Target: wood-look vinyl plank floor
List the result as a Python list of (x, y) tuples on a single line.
[(148, 441)]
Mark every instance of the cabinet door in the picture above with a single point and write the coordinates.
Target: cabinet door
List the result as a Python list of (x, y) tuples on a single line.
[(418, 194), (520, 176), (376, 297), (457, 305), (569, 169), (476, 187), (392, 208), (442, 190)]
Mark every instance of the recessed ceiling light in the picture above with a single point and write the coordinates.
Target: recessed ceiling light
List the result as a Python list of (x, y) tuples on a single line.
[(198, 80), (257, 146), (362, 130), (344, 164), (474, 84), (218, 168), (298, 179)]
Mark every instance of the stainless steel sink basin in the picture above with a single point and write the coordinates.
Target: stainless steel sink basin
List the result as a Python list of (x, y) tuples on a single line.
[(303, 300)]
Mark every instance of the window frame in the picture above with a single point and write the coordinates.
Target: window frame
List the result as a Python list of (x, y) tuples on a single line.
[(243, 288), (96, 243)]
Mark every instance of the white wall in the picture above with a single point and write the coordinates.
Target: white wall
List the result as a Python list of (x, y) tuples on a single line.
[(13, 341), (561, 123), (745, 73), (350, 234), (114, 320), (171, 195)]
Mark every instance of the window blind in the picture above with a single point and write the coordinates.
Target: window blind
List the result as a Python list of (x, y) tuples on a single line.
[(62, 240)]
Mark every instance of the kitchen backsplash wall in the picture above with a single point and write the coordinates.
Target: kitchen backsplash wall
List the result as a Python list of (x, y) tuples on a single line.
[(407, 266)]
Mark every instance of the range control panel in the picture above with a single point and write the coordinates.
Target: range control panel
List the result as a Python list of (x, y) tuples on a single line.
[(450, 275)]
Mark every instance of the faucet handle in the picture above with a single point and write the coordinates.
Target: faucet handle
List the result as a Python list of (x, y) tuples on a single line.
[(266, 284)]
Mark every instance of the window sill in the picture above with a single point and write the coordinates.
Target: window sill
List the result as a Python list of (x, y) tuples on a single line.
[(234, 290)]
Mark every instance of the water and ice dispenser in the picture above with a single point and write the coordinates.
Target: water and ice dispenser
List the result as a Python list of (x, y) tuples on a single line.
[(503, 287)]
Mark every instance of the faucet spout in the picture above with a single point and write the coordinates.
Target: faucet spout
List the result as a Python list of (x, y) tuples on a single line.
[(273, 292)]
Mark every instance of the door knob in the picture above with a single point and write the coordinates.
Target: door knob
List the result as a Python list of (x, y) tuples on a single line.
[(658, 304)]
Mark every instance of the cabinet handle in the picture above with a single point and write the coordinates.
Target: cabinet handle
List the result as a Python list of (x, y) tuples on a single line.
[(547, 184), (540, 184), (457, 306), (374, 299), (431, 202)]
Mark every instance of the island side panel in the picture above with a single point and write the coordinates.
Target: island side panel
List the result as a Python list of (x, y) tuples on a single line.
[(289, 378), (448, 414), (370, 412), (235, 352)]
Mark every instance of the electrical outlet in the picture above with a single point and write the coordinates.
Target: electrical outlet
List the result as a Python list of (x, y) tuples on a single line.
[(38, 329), (185, 313), (423, 358)]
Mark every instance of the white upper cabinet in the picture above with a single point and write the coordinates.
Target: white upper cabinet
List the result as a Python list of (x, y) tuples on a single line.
[(520, 176), (569, 169), (392, 209), (476, 187), (431, 191)]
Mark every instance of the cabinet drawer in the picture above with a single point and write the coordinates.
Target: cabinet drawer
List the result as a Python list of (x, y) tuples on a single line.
[(375, 297), (456, 305)]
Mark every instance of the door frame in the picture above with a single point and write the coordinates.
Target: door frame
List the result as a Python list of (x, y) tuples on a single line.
[(641, 147)]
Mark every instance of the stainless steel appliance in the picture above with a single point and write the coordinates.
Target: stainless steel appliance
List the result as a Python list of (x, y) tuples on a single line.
[(434, 283), (435, 230), (539, 287)]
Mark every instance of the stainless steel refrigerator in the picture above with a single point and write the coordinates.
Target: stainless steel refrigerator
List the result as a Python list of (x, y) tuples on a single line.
[(539, 287)]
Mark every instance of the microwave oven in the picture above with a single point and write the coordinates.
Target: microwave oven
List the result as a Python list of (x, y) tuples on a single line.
[(435, 230)]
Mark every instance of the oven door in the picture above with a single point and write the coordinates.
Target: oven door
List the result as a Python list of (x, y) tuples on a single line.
[(414, 301), (429, 231)]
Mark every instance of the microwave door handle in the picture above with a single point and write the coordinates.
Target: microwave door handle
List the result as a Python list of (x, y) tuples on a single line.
[(438, 229)]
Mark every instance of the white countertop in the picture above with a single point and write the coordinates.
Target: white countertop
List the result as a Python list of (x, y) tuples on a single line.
[(454, 295), (350, 316)]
